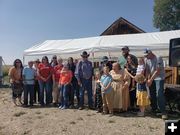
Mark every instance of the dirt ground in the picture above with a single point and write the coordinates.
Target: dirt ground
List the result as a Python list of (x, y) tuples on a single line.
[(53, 121)]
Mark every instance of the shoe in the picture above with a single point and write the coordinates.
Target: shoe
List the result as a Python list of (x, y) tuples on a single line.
[(54, 104), (140, 114), (64, 107), (24, 105), (72, 107), (80, 108), (164, 117), (91, 107), (60, 106)]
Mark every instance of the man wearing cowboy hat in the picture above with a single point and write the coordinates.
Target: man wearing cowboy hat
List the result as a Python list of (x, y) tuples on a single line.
[(84, 73)]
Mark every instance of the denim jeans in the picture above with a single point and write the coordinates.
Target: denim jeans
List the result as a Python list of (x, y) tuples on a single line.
[(157, 95), (86, 85), (47, 86), (64, 90), (29, 90)]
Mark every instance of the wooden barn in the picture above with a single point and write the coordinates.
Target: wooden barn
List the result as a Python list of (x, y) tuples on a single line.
[(122, 26)]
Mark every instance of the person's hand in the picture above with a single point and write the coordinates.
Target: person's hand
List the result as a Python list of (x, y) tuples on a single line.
[(98, 81), (17, 81), (79, 83), (148, 96), (149, 82), (125, 86)]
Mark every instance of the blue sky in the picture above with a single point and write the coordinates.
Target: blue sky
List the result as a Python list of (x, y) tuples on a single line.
[(24, 23)]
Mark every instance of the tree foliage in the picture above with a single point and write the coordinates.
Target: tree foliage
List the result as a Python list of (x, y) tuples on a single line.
[(167, 14)]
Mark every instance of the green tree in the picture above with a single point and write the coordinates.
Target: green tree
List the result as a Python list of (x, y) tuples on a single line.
[(167, 14)]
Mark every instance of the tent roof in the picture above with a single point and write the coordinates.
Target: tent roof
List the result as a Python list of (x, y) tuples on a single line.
[(106, 45)]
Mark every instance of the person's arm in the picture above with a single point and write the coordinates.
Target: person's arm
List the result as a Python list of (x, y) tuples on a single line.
[(129, 73), (126, 80), (157, 71), (11, 76), (148, 91), (77, 73), (136, 89), (94, 93), (50, 74), (53, 78), (23, 75), (38, 73), (107, 87)]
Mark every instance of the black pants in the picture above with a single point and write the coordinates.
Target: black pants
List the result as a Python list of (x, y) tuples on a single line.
[(29, 90), (74, 91), (36, 92), (132, 94)]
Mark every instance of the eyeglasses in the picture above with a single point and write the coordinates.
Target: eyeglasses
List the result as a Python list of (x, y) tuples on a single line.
[(18, 62), (54, 58)]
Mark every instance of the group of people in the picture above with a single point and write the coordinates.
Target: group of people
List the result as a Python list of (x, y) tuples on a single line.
[(118, 87)]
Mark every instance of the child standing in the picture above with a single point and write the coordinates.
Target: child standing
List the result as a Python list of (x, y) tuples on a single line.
[(142, 90), (97, 93), (107, 92), (65, 83), (29, 75)]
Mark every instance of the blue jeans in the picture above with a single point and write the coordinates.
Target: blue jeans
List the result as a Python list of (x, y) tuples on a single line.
[(29, 89), (86, 85), (157, 95), (64, 90), (47, 86)]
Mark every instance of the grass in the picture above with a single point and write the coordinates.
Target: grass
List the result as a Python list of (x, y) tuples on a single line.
[(6, 70), (19, 114)]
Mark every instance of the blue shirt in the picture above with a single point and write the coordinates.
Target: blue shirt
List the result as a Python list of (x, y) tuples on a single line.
[(142, 86), (84, 70), (29, 74), (105, 80)]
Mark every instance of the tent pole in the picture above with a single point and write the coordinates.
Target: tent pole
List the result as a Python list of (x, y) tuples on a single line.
[(23, 59), (93, 58)]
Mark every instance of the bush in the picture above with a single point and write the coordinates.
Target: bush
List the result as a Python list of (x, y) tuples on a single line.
[(6, 70)]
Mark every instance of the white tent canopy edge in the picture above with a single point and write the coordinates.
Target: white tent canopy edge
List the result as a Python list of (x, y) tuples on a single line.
[(106, 45)]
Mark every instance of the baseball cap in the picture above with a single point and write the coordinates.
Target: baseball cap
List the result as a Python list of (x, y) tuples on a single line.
[(147, 51), (125, 48), (104, 58)]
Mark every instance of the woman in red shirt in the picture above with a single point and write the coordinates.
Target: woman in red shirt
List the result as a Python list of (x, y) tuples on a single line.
[(65, 82), (45, 73), (56, 77)]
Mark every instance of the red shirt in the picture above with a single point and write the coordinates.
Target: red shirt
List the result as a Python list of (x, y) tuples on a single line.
[(45, 70), (57, 70), (65, 77)]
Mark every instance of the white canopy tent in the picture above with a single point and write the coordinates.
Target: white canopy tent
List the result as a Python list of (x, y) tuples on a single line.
[(106, 45)]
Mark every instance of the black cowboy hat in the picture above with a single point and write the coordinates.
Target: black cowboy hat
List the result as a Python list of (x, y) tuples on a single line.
[(84, 54)]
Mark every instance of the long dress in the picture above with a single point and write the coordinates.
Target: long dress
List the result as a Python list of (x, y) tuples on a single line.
[(121, 94)]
